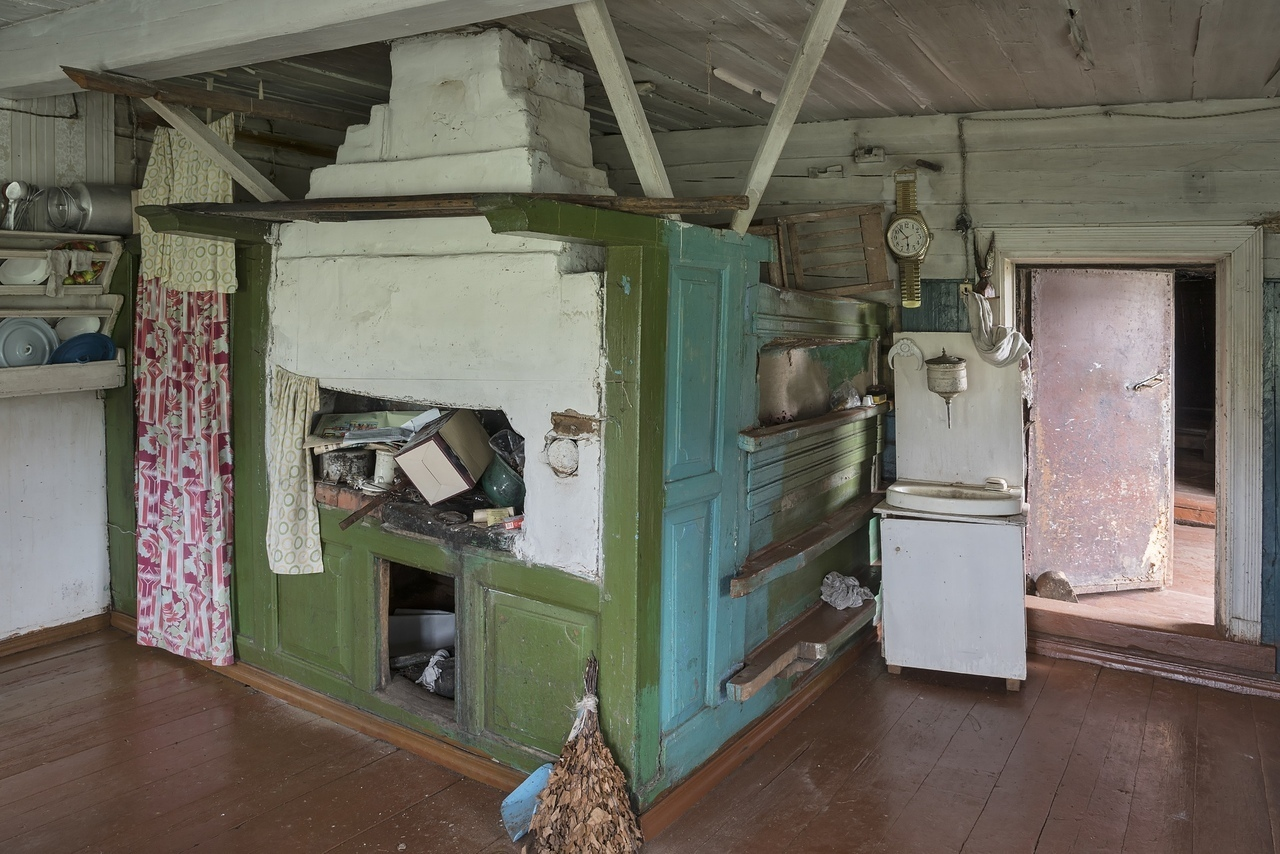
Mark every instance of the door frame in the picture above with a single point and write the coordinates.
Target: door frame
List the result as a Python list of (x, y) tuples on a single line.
[(1236, 252)]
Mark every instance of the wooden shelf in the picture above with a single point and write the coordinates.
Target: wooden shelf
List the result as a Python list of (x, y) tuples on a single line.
[(759, 438), (783, 558), (58, 379), (798, 646)]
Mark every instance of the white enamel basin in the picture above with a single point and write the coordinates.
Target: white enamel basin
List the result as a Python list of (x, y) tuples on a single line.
[(961, 499)]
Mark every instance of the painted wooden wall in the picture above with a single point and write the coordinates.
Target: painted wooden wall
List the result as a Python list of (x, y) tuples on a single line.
[(1271, 463), (1210, 162)]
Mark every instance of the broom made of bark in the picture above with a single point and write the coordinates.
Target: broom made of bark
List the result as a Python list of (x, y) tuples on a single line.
[(585, 806)]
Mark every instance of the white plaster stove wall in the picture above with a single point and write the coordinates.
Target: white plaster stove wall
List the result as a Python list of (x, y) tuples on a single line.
[(443, 311)]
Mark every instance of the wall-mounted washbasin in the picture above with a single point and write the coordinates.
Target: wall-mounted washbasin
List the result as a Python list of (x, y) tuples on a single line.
[(962, 499)]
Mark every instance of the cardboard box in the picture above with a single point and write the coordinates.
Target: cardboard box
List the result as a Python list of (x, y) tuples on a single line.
[(447, 457)]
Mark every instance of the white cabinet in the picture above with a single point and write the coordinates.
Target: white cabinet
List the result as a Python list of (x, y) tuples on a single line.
[(953, 595)]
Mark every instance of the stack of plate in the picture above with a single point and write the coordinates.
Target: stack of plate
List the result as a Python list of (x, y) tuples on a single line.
[(26, 341)]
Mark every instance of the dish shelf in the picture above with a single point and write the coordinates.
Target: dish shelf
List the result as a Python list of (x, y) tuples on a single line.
[(59, 379)]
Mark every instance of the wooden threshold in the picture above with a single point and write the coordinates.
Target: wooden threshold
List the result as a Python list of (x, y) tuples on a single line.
[(783, 558), (54, 634), (1198, 644), (677, 800), (798, 646), (1152, 665), (465, 761)]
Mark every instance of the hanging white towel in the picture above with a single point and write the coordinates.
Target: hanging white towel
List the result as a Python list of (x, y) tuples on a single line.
[(293, 521), (997, 345)]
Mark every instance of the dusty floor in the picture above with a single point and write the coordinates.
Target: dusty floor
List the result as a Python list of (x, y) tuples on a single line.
[(111, 747)]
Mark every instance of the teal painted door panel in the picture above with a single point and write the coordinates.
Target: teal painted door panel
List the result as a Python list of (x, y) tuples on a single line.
[(710, 398), (693, 374), (688, 544)]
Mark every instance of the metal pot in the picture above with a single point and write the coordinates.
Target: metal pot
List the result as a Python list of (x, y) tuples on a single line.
[(90, 208), (947, 375)]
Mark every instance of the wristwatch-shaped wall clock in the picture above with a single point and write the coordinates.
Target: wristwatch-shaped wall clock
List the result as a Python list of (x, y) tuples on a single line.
[(908, 236)]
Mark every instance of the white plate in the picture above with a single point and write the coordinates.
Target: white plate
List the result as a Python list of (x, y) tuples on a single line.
[(24, 271), (26, 341), (70, 327)]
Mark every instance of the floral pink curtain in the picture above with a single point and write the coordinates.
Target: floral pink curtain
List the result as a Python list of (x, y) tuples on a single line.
[(182, 373)]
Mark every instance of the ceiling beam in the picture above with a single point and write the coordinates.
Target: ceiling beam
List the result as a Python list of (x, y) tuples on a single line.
[(212, 145), (611, 65), (226, 102), (158, 39), (813, 44)]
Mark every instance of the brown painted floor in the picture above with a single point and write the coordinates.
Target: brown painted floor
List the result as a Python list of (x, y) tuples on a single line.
[(110, 747)]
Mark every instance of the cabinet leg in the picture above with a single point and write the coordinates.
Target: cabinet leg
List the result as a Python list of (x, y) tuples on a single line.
[(1013, 685), (894, 669)]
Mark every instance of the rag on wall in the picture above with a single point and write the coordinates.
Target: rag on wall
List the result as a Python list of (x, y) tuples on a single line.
[(179, 173), (997, 345), (293, 520)]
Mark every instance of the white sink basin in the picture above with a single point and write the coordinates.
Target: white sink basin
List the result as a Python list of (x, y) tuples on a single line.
[(961, 499)]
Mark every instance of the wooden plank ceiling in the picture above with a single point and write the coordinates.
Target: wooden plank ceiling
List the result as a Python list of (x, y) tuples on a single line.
[(888, 57), (13, 11), (915, 57)]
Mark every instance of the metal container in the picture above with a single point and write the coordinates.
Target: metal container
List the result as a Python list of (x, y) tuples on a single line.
[(947, 376), (90, 208), (349, 466)]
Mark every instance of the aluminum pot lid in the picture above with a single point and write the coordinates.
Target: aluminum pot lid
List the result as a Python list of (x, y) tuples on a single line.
[(26, 341), (944, 359)]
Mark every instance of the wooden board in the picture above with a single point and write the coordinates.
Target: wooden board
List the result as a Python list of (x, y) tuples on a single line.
[(836, 252), (811, 637), (783, 558)]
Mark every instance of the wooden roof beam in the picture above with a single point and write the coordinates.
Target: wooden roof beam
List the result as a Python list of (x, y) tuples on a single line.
[(611, 64), (213, 146), (227, 102), (813, 44)]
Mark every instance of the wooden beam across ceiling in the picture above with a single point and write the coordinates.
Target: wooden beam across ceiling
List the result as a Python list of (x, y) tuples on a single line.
[(439, 205), (813, 44), (611, 65), (213, 146), (227, 102)]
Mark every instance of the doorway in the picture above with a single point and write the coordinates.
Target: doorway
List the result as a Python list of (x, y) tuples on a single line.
[(1120, 441), (1236, 255)]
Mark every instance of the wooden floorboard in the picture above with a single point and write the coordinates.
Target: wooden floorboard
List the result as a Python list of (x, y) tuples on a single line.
[(1082, 759)]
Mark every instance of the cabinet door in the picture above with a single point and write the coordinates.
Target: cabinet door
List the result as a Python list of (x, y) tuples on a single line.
[(953, 597)]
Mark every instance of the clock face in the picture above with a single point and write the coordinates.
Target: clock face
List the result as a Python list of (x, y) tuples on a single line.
[(908, 238)]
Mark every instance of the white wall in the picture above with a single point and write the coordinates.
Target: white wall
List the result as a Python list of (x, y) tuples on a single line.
[(394, 309), (53, 507), (1206, 162), (53, 511)]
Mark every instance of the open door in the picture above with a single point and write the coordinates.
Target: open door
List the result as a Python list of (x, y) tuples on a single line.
[(1099, 457)]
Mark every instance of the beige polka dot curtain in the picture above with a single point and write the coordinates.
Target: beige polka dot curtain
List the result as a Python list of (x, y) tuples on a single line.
[(293, 522), (177, 173)]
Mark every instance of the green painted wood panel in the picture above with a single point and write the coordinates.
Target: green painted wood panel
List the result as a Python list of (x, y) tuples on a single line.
[(316, 619), (252, 586), (121, 434), (537, 653)]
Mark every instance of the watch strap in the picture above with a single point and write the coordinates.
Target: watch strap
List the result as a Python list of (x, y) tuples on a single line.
[(905, 192), (909, 268)]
